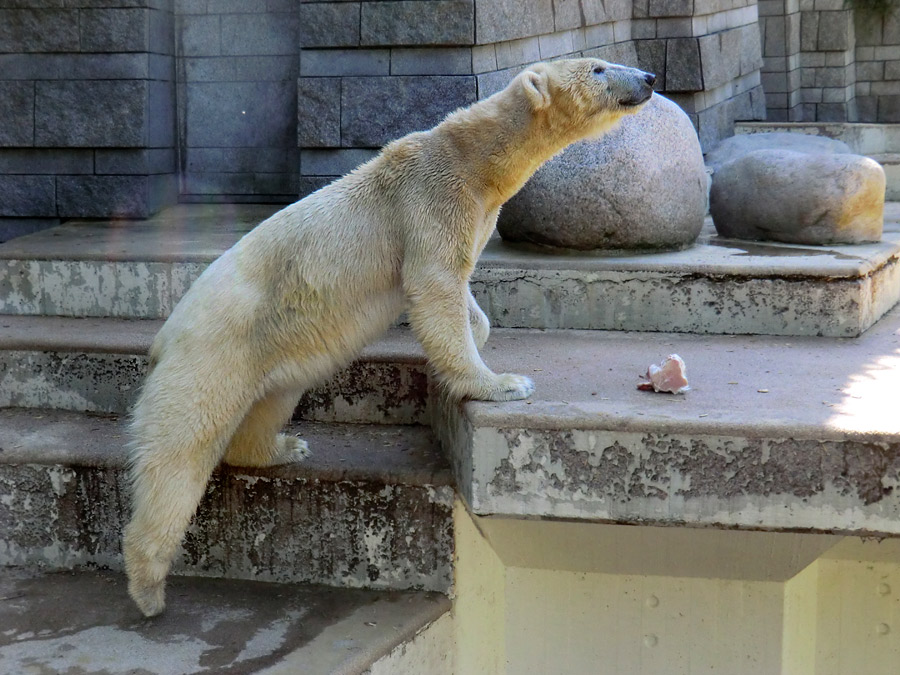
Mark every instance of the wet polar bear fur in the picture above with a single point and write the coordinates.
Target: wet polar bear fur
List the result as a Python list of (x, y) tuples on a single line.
[(300, 295)]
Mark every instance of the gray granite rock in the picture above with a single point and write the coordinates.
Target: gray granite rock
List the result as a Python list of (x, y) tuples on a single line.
[(736, 147), (799, 198), (642, 186)]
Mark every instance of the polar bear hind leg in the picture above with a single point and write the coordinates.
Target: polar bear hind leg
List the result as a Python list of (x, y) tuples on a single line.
[(172, 458), (257, 441)]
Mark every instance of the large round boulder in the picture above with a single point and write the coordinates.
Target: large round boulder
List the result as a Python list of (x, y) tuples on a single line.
[(736, 147), (641, 186), (799, 198)]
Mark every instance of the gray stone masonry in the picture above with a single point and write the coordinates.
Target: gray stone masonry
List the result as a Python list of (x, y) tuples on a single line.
[(242, 100), (375, 110), (877, 58), (87, 102), (412, 62), (845, 62), (707, 56)]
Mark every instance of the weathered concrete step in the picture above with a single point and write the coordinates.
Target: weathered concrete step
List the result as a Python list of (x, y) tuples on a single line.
[(776, 434), (98, 365), (84, 622), (371, 507), (890, 162), (718, 286)]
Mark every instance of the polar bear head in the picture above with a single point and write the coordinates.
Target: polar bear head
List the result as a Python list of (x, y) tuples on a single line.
[(587, 94)]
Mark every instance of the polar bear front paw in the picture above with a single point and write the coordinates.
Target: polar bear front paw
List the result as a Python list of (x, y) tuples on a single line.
[(290, 449), (509, 387)]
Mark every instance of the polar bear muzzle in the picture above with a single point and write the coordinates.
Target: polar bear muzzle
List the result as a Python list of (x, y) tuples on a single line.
[(632, 86)]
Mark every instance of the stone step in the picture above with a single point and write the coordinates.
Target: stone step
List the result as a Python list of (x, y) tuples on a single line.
[(371, 508), (140, 270), (98, 365), (890, 162), (84, 622), (789, 434)]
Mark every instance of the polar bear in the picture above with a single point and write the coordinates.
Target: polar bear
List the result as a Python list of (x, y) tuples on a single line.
[(301, 294)]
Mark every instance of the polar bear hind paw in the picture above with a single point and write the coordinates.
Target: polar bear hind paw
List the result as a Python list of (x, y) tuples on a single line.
[(290, 449), (150, 598)]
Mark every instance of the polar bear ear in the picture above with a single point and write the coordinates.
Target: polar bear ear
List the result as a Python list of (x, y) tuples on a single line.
[(537, 88)]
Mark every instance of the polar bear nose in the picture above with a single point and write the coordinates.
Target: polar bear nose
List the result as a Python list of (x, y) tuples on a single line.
[(650, 78)]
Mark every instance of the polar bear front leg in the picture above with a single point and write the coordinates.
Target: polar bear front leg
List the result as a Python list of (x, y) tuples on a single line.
[(478, 321), (440, 317)]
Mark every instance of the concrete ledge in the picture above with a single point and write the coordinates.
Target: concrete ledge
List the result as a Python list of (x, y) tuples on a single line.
[(85, 621), (98, 365), (718, 286), (781, 435)]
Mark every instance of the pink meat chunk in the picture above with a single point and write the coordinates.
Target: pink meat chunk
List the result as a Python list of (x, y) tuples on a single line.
[(669, 376)]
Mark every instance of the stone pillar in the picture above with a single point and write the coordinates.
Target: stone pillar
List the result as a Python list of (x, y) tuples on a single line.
[(828, 77), (710, 58), (237, 102), (87, 103), (877, 65), (779, 22)]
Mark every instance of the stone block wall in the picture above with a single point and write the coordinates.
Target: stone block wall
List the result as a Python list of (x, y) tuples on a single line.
[(87, 109), (779, 22), (824, 62), (119, 107), (371, 72), (878, 66), (828, 75), (237, 98), (709, 54)]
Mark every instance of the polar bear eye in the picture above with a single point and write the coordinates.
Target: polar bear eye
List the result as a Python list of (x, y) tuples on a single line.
[(599, 70)]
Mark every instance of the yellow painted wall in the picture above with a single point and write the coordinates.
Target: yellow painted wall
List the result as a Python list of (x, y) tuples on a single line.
[(600, 624), (557, 598), (479, 607)]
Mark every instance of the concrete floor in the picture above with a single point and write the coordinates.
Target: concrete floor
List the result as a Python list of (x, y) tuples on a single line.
[(83, 623)]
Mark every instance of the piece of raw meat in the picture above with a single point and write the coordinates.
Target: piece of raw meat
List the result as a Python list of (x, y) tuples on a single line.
[(669, 376)]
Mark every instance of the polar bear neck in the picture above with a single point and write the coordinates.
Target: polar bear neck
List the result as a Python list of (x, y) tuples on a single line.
[(503, 141)]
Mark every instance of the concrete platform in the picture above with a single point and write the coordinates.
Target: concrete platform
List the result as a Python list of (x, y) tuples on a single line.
[(798, 434), (76, 623), (140, 270), (777, 433), (371, 507)]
